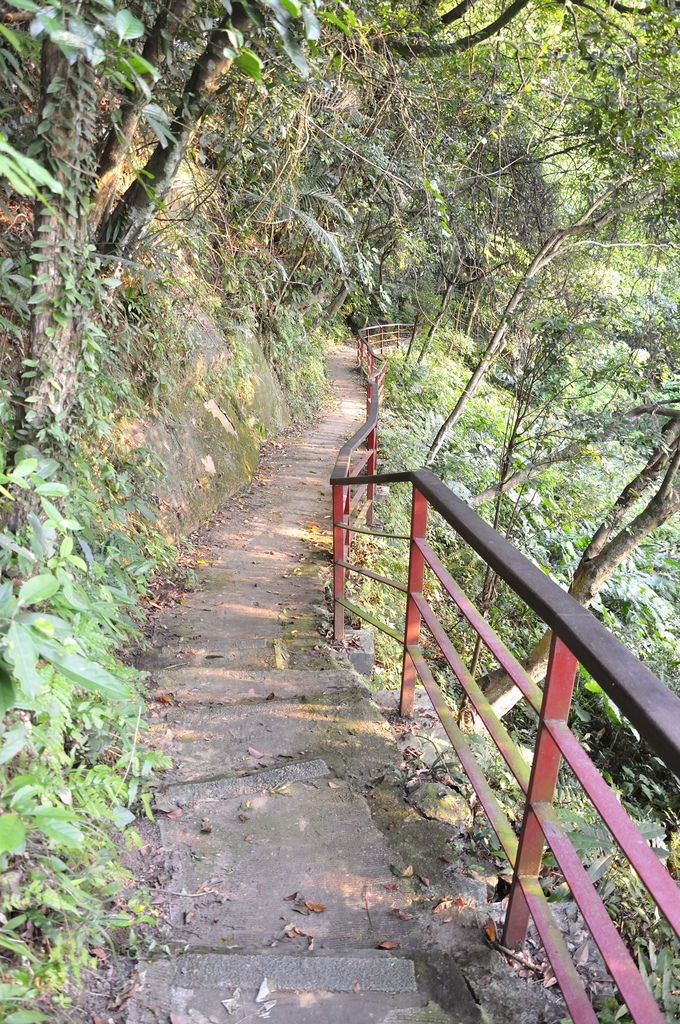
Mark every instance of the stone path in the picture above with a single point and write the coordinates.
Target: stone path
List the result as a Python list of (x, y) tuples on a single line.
[(291, 854)]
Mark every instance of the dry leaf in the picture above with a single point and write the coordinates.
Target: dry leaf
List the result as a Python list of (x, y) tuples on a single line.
[(392, 888), (401, 914), (490, 930), (387, 945), (310, 942), (270, 696), (445, 859), (177, 813), (425, 881), (250, 838), (407, 872), (316, 908), (255, 753), (289, 899), (444, 904), (448, 918), (356, 987)]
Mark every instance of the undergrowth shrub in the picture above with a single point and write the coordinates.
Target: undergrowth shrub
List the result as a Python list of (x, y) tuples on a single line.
[(73, 764), (637, 605)]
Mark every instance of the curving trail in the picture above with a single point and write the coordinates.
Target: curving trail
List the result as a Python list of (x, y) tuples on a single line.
[(283, 825)]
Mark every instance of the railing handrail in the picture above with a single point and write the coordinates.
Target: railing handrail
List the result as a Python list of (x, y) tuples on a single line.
[(577, 636), (652, 708)]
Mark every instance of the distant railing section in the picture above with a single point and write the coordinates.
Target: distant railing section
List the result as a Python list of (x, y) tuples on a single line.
[(577, 637)]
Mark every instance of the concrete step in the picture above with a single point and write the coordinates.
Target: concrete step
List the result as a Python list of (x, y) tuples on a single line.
[(339, 727), (216, 683), (259, 863), (307, 653), (213, 988)]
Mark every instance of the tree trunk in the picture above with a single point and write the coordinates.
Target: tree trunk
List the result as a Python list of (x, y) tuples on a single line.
[(337, 304), (60, 251), (137, 207), (434, 326), (117, 142)]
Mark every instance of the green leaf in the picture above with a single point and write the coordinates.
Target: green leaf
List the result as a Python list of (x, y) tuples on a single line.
[(13, 742), (83, 672), (12, 833), (52, 489), (122, 816), (334, 20), (292, 6), (249, 63), (22, 655), (38, 588), (24, 469), (6, 689), (25, 1017), (57, 823), (312, 27), (127, 26)]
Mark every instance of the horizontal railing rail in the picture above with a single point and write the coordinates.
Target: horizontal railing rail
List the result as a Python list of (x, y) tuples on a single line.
[(577, 637)]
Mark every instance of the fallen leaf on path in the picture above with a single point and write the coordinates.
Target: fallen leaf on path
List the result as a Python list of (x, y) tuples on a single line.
[(289, 899), (392, 888), (177, 813), (387, 945), (335, 785), (301, 908), (310, 942), (255, 753), (249, 838), (175, 1018), (448, 919), (316, 908), (445, 859), (444, 904), (401, 914), (425, 881), (265, 990), (490, 930), (356, 987), (231, 1005)]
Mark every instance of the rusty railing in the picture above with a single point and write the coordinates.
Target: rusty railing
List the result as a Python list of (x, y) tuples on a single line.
[(577, 637)]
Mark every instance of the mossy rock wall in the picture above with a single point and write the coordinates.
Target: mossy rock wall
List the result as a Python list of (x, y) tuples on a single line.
[(206, 434)]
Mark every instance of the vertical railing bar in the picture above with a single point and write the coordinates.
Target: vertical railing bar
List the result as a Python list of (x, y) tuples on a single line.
[(558, 689), (338, 556), (414, 585)]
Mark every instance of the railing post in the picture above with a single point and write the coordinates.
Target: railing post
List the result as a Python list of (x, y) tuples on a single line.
[(338, 556), (416, 574), (559, 686), (371, 469)]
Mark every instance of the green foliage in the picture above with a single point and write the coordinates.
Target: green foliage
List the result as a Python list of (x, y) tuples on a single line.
[(73, 765)]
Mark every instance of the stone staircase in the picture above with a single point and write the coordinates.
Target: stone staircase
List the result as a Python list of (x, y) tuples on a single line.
[(300, 885)]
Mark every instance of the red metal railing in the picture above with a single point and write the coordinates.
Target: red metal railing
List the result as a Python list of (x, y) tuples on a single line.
[(577, 637)]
